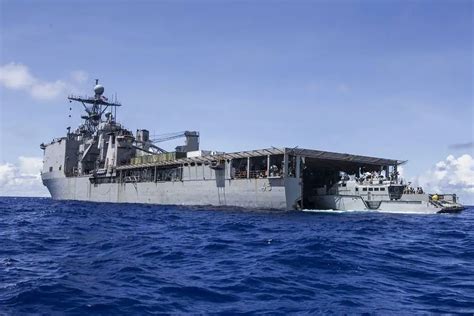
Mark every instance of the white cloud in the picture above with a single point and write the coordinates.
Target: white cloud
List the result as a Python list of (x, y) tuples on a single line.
[(48, 90), (17, 76), (79, 76), (22, 178), (7, 174), (452, 175), (30, 165)]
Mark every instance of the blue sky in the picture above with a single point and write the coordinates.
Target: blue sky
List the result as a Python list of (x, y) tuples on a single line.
[(384, 78)]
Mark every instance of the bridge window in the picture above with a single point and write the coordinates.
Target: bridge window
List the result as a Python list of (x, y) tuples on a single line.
[(371, 189), (364, 189), (382, 189), (376, 189), (50, 169)]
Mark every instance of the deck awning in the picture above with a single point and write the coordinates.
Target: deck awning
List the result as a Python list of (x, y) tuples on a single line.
[(343, 157), (307, 153)]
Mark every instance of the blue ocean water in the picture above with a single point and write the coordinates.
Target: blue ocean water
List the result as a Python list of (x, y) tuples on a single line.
[(101, 259)]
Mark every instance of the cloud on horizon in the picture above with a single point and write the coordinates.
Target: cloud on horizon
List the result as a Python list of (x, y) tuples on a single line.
[(22, 178), (452, 175), (16, 76)]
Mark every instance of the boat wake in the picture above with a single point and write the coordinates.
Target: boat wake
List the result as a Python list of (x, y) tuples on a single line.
[(334, 211), (366, 211)]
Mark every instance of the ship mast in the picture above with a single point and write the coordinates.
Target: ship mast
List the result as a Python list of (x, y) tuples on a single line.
[(94, 106)]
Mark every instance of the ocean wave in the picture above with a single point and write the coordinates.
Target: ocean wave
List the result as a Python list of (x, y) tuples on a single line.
[(91, 258)]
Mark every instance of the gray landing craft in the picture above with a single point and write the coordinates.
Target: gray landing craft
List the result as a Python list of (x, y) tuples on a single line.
[(104, 162)]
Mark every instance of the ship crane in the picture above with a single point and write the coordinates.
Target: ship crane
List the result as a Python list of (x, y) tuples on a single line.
[(191, 143), (154, 149), (164, 138), (169, 136)]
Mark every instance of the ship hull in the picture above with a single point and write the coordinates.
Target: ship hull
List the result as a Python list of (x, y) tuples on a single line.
[(280, 194)]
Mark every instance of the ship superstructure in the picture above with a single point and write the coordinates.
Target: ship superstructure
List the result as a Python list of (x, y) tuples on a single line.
[(103, 161)]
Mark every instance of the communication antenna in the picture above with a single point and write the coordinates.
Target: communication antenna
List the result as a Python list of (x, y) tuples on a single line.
[(115, 108), (96, 106)]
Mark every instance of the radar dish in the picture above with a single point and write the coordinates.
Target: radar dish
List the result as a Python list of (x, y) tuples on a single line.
[(99, 89)]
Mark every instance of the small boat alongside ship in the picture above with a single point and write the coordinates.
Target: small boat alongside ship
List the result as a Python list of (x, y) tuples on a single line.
[(377, 193), (102, 161)]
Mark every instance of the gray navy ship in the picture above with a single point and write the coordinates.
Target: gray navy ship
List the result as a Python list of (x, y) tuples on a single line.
[(102, 161)]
